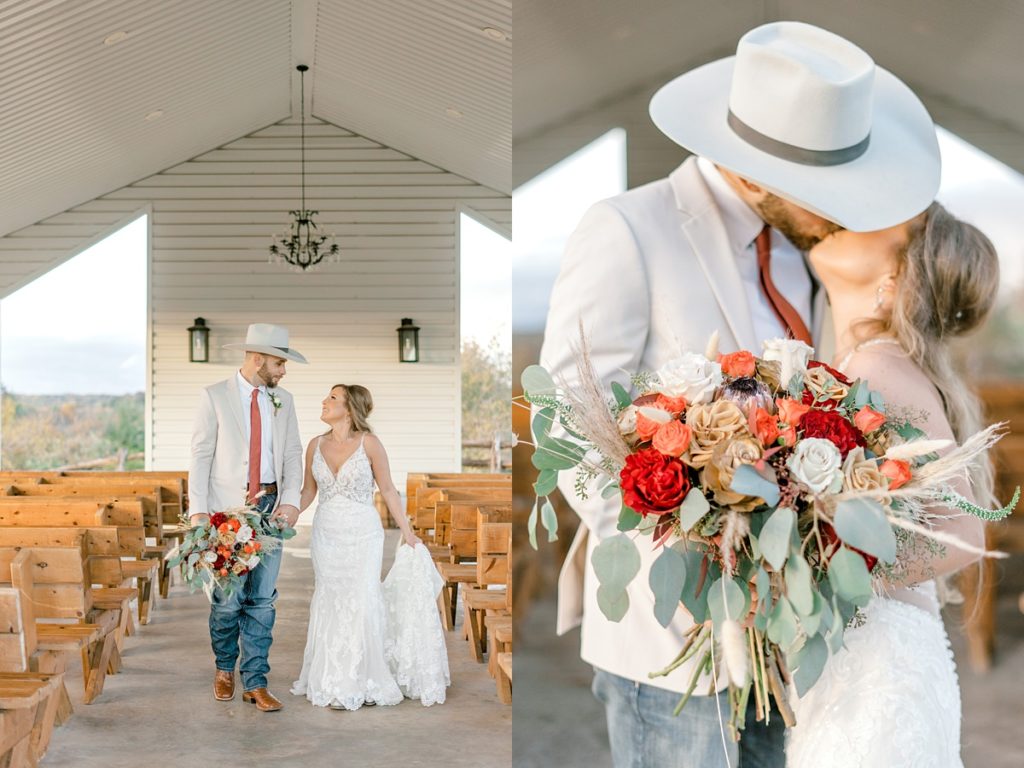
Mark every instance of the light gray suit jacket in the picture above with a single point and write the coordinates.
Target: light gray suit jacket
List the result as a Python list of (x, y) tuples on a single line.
[(650, 273), (218, 473)]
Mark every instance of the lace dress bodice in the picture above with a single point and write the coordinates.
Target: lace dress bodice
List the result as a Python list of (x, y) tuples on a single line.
[(354, 479)]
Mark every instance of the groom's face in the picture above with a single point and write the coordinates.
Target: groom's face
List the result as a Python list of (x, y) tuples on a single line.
[(272, 370), (802, 228)]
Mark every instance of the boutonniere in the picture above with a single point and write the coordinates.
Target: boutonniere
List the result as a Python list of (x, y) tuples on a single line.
[(274, 400)]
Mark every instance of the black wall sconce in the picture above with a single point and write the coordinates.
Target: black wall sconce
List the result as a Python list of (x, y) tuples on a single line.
[(408, 342), (199, 342)]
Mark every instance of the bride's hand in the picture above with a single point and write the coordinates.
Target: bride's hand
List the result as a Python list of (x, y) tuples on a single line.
[(411, 539)]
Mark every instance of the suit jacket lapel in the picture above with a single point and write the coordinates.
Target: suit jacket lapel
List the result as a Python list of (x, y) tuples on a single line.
[(275, 432), (235, 404), (704, 228)]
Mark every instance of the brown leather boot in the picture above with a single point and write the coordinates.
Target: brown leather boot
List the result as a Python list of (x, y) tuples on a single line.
[(224, 685), (263, 699)]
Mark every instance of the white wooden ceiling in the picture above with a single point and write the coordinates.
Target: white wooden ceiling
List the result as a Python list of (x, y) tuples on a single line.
[(74, 98), (572, 55)]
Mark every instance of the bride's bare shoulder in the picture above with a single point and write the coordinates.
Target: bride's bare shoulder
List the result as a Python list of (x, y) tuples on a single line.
[(888, 369)]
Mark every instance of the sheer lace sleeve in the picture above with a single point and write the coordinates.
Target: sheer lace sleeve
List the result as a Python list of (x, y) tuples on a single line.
[(905, 386)]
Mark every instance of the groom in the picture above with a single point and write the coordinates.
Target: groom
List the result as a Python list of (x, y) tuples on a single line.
[(797, 135), (246, 451)]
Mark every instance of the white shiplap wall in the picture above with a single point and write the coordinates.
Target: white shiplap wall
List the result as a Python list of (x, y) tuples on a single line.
[(212, 217)]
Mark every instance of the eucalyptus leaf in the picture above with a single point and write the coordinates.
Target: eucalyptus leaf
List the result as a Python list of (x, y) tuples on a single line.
[(610, 491), (795, 386), (812, 662), (547, 481), (531, 525), (861, 523), (613, 602), (647, 524), (542, 422), (549, 520), (811, 622), (693, 508), (628, 519), (849, 576), (621, 396), (782, 623), (775, 536), (726, 601), (554, 453), (696, 602), (877, 401), (667, 577), (616, 561), (835, 631), (747, 481), (798, 585), (537, 381)]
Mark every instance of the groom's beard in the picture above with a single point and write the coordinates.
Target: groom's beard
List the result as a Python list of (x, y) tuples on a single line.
[(268, 379), (775, 214)]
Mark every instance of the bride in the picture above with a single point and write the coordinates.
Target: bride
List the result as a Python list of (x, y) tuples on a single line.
[(899, 297), (367, 643)]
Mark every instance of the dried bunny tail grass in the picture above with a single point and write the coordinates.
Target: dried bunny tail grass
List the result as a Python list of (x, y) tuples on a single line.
[(590, 407), (734, 653), (735, 530)]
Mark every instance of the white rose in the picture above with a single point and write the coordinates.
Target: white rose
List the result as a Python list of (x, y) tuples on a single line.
[(210, 557), (690, 376), (816, 463), (243, 535), (791, 353), (627, 421)]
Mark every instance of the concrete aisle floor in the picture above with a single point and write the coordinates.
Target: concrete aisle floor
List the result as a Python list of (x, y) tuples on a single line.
[(160, 711), (559, 723)]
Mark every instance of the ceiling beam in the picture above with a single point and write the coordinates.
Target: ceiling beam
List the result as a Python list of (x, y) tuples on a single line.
[(304, 19)]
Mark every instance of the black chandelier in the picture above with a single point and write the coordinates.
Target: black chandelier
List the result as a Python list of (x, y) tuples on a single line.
[(305, 246)]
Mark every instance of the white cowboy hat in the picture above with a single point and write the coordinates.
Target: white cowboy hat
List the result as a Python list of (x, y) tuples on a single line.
[(268, 340), (807, 115)]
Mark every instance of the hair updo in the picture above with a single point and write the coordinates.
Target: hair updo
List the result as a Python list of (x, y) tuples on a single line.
[(360, 405)]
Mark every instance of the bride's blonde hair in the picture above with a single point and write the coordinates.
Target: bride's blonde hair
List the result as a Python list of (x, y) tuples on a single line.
[(946, 285)]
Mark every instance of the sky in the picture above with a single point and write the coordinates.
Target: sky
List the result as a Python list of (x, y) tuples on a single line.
[(486, 284), (81, 328), (974, 186)]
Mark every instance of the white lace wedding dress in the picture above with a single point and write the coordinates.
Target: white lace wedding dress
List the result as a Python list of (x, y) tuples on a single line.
[(367, 642), (890, 697)]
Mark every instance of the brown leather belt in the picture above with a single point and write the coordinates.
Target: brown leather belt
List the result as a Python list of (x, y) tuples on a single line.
[(269, 488)]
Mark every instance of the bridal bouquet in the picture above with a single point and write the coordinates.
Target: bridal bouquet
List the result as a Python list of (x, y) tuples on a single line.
[(220, 552), (775, 487)]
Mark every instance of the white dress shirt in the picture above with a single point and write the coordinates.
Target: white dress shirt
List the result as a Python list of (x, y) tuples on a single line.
[(245, 390), (789, 270)]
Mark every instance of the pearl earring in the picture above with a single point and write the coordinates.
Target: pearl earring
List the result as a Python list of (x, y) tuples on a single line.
[(878, 297)]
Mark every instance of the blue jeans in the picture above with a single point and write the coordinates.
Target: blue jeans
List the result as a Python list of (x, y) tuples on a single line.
[(247, 615), (644, 733)]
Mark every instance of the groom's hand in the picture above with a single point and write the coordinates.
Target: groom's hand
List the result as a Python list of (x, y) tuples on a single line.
[(288, 513)]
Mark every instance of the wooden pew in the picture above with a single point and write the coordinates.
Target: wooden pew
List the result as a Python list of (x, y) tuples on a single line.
[(56, 578), (415, 480), (424, 515), (494, 542), (29, 700), (462, 547), (148, 564)]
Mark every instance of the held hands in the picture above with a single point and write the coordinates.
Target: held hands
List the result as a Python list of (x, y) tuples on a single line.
[(288, 513)]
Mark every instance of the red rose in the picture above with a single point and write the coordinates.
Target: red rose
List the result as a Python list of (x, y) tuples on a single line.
[(217, 519), (653, 482), (219, 562), (829, 537), (834, 427)]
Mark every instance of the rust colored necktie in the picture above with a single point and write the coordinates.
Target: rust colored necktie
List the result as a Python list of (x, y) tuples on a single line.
[(788, 317), (255, 446)]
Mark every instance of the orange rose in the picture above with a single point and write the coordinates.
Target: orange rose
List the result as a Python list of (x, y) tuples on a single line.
[(223, 571), (646, 427), (257, 546), (223, 528), (674, 405), (234, 523), (672, 439), (788, 436), (764, 426), (738, 364), (790, 411), (247, 549), (868, 420), (898, 472)]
